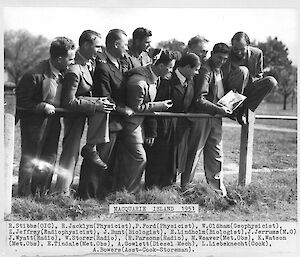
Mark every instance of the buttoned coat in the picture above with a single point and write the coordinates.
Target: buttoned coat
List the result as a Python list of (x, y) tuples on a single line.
[(169, 148)]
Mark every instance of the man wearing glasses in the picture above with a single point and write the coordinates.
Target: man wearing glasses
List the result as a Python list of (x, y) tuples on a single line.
[(243, 72)]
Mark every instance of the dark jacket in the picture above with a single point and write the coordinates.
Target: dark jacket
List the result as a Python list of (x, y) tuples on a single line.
[(206, 91), (29, 89), (107, 80)]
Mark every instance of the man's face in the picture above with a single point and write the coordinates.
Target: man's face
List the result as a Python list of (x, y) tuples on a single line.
[(93, 48), (219, 59), (66, 61), (239, 48), (166, 70), (145, 44), (122, 45), (201, 50), (191, 72)]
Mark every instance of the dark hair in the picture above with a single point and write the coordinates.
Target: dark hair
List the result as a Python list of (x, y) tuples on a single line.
[(196, 40), (221, 48), (88, 36), (239, 36), (113, 35), (163, 56), (141, 33), (60, 47), (189, 59)]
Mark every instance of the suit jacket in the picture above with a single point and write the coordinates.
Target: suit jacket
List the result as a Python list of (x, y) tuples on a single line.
[(107, 82), (181, 97), (77, 84), (206, 91), (254, 63), (29, 92), (139, 82)]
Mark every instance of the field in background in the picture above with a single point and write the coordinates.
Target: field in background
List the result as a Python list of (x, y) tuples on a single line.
[(272, 195)]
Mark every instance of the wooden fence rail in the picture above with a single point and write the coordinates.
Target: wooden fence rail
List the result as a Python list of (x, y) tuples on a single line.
[(246, 142)]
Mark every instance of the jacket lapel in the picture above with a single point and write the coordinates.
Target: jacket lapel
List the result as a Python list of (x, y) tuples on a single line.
[(46, 69), (117, 73), (176, 84), (86, 75)]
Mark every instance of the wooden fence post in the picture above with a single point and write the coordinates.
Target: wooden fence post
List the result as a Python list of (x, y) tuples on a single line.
[(9, 135), (246, 150)]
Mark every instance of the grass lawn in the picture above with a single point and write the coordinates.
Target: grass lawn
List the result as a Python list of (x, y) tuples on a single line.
[(272, 195)]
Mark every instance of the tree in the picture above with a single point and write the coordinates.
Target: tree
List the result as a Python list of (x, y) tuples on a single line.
[(172, 44), (22, 51), (277, 63)]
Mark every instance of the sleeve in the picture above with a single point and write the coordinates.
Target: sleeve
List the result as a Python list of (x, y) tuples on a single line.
[(136, 93), (202, 82), (150, 123), (69, 89), (101, 78), (260, 67), (25, 92)]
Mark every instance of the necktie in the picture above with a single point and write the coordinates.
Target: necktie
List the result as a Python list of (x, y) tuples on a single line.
[(90, 66), (187, 95)]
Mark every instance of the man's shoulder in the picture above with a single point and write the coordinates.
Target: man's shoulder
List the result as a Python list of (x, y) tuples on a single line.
[(206, 67), (255, 50), (75, 68), (39, 70), (130, 61), (102, 64)]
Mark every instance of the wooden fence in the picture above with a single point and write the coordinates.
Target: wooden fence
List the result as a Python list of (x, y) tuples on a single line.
[(246, 142)]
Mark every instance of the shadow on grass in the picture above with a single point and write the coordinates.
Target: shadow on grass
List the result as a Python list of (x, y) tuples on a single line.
[(270, 197)]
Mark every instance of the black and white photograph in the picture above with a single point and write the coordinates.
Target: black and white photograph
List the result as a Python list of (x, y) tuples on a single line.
[(115, 134)]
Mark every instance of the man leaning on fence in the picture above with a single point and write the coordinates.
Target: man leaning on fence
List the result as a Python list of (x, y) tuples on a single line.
[(140, 93), (243, 72), (168, 151), (107, 83), (39, 93), (208, 90), (76, 96)]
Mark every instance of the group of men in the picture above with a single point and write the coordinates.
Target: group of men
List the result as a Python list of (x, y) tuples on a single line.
[(113, 90)]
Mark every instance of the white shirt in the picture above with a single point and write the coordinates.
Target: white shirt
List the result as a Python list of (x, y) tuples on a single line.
[(219, 83), (182, 78)]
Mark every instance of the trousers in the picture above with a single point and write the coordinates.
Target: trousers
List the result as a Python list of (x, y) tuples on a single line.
[(210, 143), (254, 90), (33, 128), (130, 166), (73, 130)]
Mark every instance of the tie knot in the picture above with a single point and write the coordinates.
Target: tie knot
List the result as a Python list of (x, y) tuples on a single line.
[(185, 83)]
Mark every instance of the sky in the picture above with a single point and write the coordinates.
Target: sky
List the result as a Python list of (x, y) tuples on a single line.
[(216, 24)]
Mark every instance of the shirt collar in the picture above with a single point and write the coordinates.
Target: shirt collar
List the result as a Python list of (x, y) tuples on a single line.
[(182, 79), (112, 59), (154, 77), (54, 71)]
